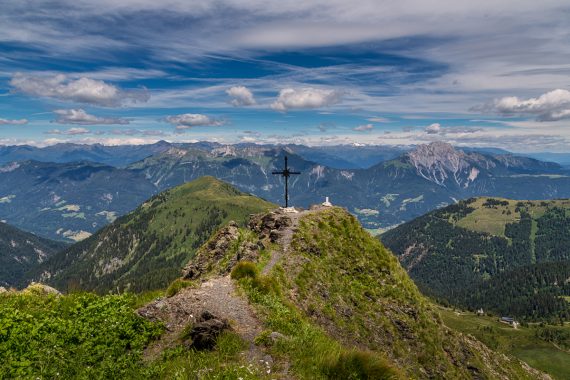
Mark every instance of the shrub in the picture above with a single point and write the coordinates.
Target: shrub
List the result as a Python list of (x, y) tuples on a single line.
[(177, 285), (244, 269), (355, 364)]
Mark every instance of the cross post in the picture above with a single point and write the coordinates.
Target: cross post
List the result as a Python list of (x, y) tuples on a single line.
[(286, 173)]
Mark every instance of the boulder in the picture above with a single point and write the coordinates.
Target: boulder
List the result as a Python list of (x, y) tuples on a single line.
[(205, 332)]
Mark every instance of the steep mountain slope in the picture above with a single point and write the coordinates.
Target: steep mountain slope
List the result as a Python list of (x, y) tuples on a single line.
[(495, 253), (68, 201), (21, 251), (144, 249), (332, 302)]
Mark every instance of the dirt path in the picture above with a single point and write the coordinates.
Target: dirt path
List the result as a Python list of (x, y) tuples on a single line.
[(285, 238), (217, 296)]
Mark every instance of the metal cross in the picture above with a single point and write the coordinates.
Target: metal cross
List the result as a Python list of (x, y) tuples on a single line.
[(286, 173)]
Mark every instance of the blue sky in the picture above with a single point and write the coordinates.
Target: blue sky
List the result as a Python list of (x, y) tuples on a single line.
[(486, 73)]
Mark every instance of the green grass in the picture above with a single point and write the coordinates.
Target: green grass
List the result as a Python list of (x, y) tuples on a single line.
[(177, 285), (521, 343), (80, 336), (311, 353), (227, 361)]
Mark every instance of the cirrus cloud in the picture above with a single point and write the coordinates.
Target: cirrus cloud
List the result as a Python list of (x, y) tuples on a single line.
[(82, 90), (79, 116), (550, 106), (189, 120), (305, 98), (241, 96), (69, 132), (13, 122)]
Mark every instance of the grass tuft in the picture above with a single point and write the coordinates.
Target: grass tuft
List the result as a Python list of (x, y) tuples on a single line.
[(245, 269), (177, 285), (356, 364)]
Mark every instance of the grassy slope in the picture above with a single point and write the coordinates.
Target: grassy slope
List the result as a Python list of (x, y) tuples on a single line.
[(347, 282), (146, 249), (493, 220), (521, 342)]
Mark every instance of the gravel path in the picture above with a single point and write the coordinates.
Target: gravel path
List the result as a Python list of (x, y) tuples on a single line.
[(216, 296)]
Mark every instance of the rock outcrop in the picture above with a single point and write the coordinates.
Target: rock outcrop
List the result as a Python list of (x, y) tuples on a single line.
[(205, 332)]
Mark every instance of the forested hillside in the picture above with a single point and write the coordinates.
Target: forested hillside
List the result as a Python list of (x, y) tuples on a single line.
[(21, 251), (493, 254)]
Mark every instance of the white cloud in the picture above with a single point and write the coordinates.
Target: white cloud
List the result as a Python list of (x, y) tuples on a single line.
[(69, 132), (551, 106), (82, 90), (241, 96), (378, 119), (433, 129), (13, 122), (189, 120), (305, 98), (79, 116), (363, 128)]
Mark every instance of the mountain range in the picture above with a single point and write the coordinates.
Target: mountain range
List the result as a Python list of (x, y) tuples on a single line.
[(73, 200), (507, 256)]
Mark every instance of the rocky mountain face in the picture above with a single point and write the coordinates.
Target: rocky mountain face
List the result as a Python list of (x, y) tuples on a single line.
[(145, 249), (444, 165), (318, 271), (503, 255), (21, 251), (382, 196)]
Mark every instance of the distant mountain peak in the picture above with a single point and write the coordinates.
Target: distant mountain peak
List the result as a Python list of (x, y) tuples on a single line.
[(439, 162)]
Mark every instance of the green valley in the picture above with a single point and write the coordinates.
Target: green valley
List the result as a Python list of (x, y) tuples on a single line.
[(544, 347)]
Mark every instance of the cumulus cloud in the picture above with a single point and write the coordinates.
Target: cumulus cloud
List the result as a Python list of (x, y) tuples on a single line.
[(82, 90), (364, 127), (79, 116), (189, 120), (305, 98), (551, 106), (69, 132), (433, 129), (241, 96), (13, 122)]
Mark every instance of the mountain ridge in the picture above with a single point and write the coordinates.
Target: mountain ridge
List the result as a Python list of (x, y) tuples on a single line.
[(144, 249)]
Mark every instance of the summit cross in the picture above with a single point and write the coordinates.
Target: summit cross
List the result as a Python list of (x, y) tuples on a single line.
[(286, 173)]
